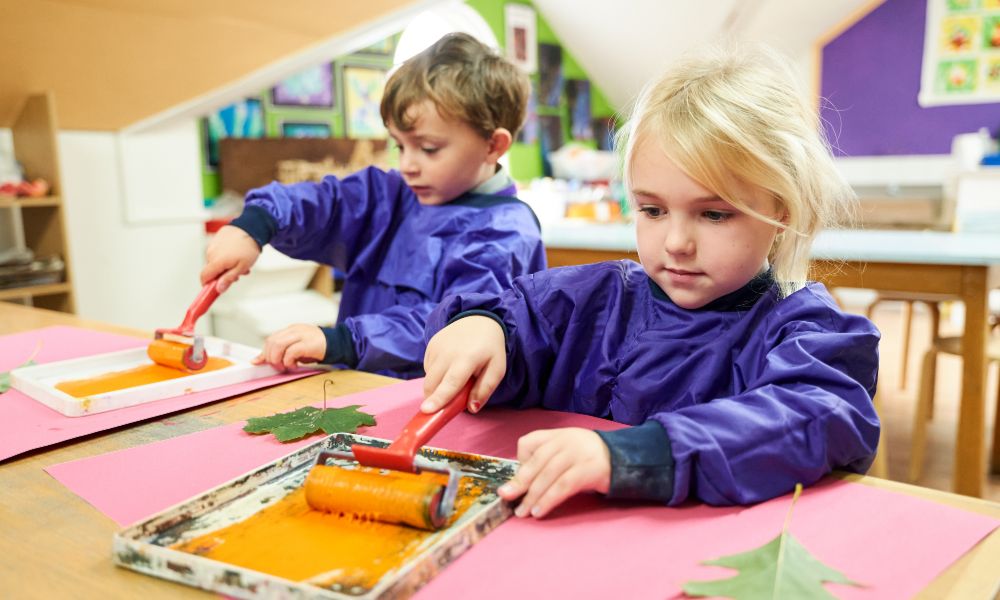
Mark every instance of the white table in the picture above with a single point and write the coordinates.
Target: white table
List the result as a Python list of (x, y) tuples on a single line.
[(963, 266)]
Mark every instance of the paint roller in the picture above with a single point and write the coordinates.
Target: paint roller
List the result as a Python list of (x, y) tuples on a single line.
[(180, 348), (393, 484)]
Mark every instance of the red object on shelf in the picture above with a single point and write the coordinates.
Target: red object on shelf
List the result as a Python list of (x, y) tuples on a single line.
[(36, 188)]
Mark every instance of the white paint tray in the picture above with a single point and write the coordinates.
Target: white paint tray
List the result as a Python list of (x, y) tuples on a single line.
[(39, 381), (146, 546)]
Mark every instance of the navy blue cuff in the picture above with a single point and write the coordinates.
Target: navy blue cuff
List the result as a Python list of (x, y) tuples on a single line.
[(339, 346), (642, 465), (480, 313), (258, 223)]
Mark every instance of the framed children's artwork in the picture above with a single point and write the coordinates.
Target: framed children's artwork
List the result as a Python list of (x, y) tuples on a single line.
[(551, 130), (961, 53), (549, 74), (384, 47), (298, 129), (363, 87), (521, 36), (242, 120), (578, 103), (312, 88)]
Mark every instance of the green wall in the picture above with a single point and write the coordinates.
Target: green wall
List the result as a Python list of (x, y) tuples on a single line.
[(525, 158)]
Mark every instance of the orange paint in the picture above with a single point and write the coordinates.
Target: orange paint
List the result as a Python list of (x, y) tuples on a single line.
[(120, 380), (392, 497), (291, 540)]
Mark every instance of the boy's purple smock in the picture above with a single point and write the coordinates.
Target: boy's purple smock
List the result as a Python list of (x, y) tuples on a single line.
[(732, 403), (400, 257)]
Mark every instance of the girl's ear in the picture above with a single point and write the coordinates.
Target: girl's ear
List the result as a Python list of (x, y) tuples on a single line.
[(499, 143)]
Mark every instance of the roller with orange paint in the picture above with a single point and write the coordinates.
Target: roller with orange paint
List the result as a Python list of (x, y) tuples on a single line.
[(393, 484), (181, 348)]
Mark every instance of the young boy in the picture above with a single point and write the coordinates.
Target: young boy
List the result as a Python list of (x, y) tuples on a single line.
[(447, 222)]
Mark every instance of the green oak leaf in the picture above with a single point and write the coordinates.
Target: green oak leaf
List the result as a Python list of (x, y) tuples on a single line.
[(5, 376), (781, 568), (308, 420)]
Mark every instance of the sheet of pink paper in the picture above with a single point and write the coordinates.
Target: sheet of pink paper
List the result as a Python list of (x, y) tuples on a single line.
[(590, 547), (29, 424), (108, 481)]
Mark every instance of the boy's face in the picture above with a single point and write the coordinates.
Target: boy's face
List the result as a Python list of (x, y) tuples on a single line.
[(694, 245), (441, 159)]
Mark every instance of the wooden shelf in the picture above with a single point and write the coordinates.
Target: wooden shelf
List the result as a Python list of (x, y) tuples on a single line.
[(31, 291), (8, 201), (39, 223)]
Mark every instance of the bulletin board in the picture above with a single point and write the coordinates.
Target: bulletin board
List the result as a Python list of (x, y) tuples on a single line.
[(961, 53)]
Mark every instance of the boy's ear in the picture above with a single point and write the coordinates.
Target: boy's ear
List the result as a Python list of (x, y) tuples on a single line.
[(499, 143)]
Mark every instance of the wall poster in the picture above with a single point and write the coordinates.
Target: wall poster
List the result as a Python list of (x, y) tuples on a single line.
[(961, 53)]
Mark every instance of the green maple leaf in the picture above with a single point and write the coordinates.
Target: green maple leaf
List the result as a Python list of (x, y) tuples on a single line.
[(781, 568), (308, 420), (5, 376)]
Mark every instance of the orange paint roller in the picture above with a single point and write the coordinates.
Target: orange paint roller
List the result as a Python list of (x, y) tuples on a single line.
[(392, 484), (180, 348)]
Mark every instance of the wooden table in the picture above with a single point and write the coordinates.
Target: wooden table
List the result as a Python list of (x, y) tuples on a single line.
[(960, 266), (55, 545)]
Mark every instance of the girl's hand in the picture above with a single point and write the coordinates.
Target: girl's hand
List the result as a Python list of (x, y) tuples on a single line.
[(557, 464), (472, 347), (229, 256), (285, 349)]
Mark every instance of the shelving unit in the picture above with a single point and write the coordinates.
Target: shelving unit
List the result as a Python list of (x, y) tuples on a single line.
[(40, 221)]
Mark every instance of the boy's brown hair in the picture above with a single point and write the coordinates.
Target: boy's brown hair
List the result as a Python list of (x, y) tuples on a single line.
[(466, 80)]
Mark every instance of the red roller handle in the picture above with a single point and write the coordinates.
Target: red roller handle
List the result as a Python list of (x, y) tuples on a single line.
[(200, 305), (421, 428)]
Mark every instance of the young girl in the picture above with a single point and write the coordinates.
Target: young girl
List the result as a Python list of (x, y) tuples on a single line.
[(738, 377)]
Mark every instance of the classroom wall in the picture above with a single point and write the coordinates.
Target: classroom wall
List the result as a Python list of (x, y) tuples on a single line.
[(141, 274), (526, 154), (871, 77)]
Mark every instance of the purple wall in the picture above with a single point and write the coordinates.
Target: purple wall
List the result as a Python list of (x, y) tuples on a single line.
[(871, 77)]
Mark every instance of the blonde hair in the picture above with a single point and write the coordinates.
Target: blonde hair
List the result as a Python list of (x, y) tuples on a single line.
[(466, 80), (735, 117)]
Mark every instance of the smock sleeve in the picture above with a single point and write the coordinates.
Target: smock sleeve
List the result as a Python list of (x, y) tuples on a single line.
[(807, 411), (331, 222), (486, 263)]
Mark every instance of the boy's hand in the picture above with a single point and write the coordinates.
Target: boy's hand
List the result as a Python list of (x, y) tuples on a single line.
[(557, 464), (285, 349), (472, 347), (230, 255)]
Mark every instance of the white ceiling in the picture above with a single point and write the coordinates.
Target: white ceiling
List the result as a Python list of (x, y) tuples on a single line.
[(623, 43)]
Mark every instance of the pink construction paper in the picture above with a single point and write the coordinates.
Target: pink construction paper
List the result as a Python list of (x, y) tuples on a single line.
[(107, 481), (589, 548), (29, 424), (593, 548)]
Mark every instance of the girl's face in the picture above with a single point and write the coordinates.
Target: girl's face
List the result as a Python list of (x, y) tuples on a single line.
[(694, 245), (441, 159)]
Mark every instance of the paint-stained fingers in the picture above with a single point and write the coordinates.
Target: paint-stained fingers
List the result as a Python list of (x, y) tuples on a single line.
[(486, 382)]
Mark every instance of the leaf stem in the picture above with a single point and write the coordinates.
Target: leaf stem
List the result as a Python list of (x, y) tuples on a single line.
[(781, 542)]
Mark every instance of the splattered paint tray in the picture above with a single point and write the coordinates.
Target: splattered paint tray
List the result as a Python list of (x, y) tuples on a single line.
[(309, 554), (40, 381)]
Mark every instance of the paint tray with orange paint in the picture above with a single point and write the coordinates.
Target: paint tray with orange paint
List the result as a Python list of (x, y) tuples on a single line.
[(120, 379), (256, 537)]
